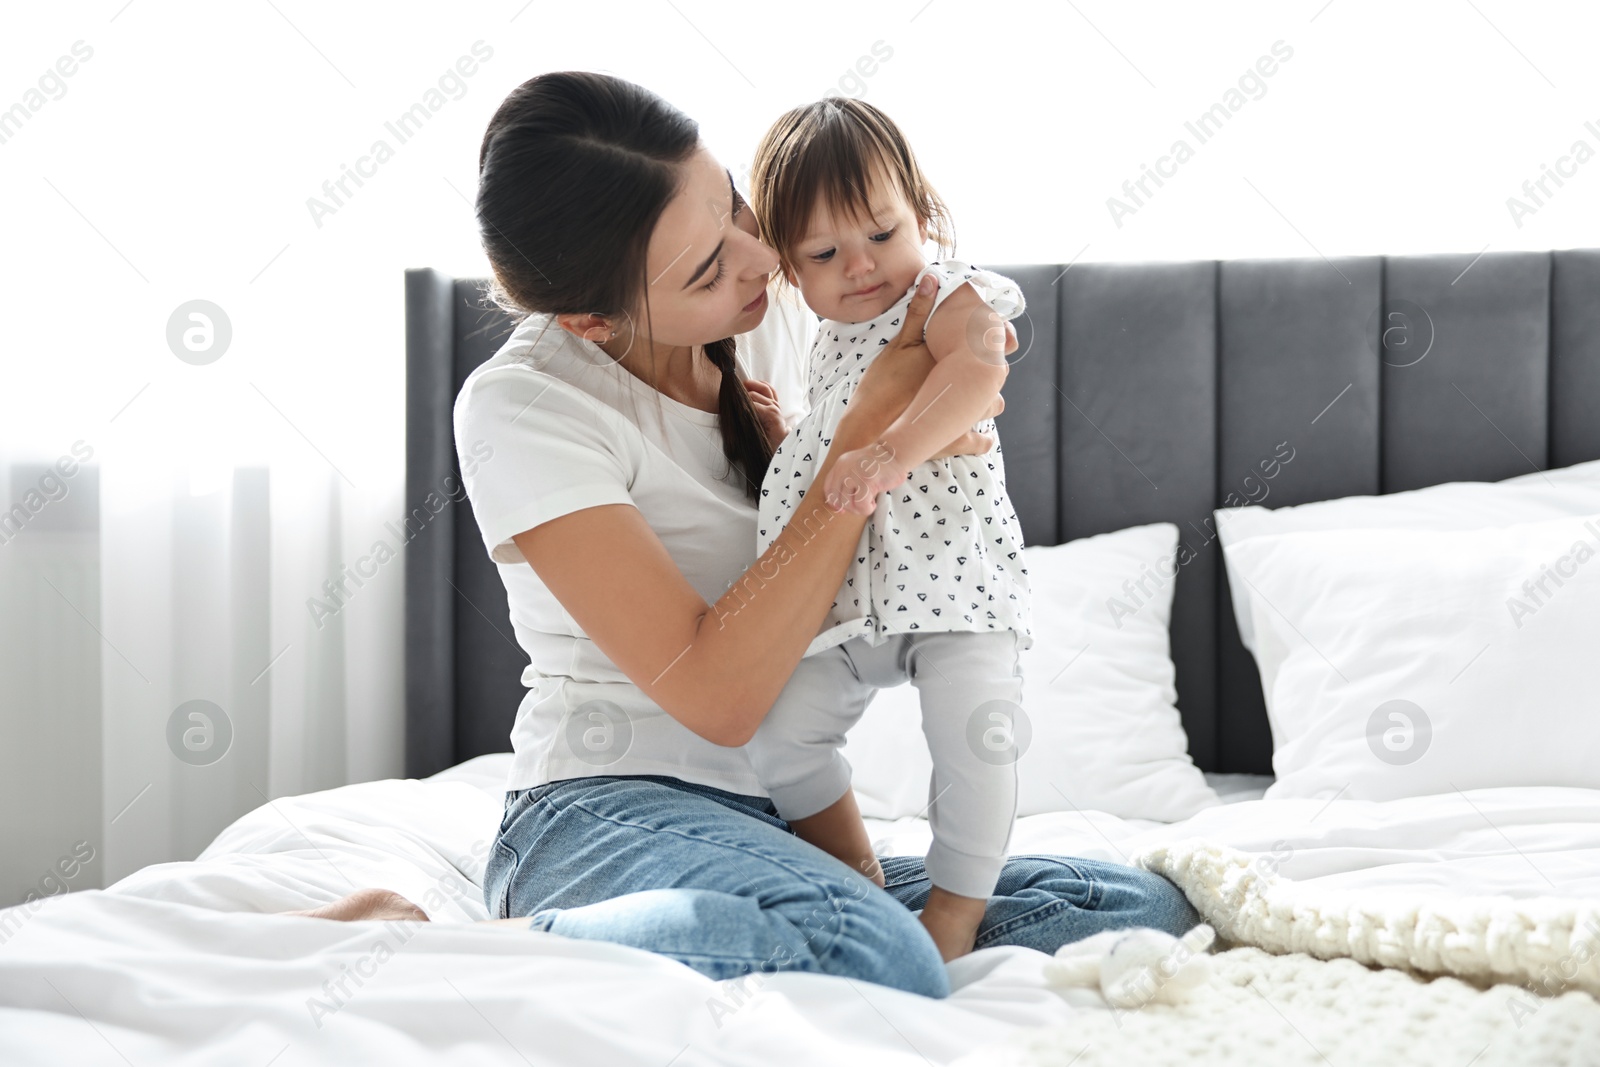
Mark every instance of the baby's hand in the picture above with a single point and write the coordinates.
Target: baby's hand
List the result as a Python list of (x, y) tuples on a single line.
[(764, 399), (854, 482)]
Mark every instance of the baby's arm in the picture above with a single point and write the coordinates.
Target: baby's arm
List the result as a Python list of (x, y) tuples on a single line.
[(967, 340)]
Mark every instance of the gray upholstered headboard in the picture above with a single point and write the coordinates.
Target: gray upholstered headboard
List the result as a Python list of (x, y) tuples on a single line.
[(1142, 393)]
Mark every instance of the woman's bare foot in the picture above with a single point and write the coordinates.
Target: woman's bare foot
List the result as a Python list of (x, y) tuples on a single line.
[(367, 905)]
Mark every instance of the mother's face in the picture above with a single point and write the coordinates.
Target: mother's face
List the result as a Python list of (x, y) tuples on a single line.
[(707, 269)]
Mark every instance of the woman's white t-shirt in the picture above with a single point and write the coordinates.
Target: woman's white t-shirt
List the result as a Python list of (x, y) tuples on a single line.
[(551, 425)]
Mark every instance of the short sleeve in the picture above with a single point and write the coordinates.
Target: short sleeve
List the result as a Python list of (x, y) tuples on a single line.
[(533, 448), (999, 292)]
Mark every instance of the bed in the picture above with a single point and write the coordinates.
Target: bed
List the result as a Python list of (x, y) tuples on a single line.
[(1450, 927)]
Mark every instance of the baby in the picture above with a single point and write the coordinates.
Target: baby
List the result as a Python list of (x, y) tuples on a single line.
[(937, 594)]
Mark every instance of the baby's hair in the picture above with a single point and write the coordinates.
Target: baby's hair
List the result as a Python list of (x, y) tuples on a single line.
[(830, 149)]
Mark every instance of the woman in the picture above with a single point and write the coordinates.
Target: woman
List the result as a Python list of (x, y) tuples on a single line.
[(614, 455)]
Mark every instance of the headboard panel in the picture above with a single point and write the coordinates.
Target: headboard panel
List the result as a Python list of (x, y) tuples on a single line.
[(1138, 390), (1483, 412), (1141, 393), (1319, 407)]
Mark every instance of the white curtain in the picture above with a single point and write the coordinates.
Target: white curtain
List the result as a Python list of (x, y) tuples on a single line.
[(163, 670), (212, 504)]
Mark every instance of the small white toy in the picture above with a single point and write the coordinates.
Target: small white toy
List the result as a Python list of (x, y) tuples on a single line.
[(1136, 967)]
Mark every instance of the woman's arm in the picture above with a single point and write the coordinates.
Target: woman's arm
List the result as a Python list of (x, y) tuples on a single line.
[(717, 668)]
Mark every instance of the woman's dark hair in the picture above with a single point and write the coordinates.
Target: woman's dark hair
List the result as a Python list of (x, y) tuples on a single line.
[(574, 172)]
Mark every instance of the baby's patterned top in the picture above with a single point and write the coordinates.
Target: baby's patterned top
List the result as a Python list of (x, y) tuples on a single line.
[(943, 552)]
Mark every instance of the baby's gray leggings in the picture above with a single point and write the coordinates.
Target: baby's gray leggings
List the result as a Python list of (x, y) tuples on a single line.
[(970, 686)]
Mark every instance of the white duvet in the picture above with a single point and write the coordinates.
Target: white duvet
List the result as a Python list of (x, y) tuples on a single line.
[(184, 962)]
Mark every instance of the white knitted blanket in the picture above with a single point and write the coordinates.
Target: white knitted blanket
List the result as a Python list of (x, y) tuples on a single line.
[(1549, 943), (1470, 980), (1289, 1011)]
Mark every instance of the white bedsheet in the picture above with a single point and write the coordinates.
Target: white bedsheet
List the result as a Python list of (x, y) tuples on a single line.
[(182, 962)]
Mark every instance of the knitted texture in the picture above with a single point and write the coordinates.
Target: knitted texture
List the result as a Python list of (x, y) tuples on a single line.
[(1292, 1010), (1548, 944)]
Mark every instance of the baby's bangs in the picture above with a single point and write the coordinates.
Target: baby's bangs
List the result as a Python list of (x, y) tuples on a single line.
[(848, 184), (840, 165)]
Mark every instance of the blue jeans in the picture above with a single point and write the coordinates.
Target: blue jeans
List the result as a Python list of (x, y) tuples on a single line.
[(716, 881)]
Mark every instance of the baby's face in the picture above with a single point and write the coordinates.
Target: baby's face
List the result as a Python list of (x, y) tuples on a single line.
[(852, 270)]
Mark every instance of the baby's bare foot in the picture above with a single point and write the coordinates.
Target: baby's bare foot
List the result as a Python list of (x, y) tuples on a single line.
[(367, 905), (953, 937), (952, 921)]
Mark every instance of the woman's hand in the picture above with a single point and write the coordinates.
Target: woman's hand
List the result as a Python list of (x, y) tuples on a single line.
[(765, 399), (852, 484), (894, 377), (889, 385)]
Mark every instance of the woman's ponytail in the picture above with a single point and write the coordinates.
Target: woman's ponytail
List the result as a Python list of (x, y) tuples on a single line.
[(744, 442)]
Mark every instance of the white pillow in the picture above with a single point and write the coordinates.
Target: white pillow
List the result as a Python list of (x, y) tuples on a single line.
[(1098, 694), (1528, 497), (1427, 661)]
